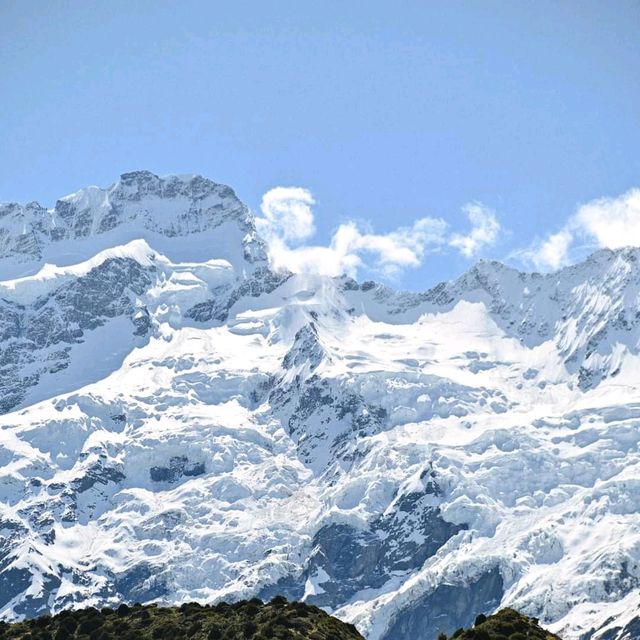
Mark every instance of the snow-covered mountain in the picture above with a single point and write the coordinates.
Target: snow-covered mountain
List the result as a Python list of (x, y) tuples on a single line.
[(181, 422)]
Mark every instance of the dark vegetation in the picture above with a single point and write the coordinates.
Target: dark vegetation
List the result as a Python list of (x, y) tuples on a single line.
[(249, 619), (507, 624)]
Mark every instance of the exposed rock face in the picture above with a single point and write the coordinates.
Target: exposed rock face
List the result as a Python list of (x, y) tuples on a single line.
[(178, 421), (448, 607), (346, 561), (38, 338), (179, 467)]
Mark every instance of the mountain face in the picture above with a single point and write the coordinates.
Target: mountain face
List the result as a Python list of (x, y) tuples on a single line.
[(180, 422)]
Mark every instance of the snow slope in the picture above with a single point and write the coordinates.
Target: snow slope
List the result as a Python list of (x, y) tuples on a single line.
[(180, 422)]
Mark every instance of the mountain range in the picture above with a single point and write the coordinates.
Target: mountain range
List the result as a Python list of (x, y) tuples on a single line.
[(181, 421)]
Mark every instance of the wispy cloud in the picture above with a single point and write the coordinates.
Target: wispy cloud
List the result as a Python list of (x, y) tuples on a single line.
[(609, 223), (484, 230), (288, 223), (550, 253)]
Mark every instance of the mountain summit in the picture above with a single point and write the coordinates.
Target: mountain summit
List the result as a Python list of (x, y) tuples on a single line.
[(181, 422), (140, 204)]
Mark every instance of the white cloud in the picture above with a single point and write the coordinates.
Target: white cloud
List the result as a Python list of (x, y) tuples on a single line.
[(289, 221), (287, 213), (551, 253), (351, 250), (609, 223), (484, 230), (612, 222)]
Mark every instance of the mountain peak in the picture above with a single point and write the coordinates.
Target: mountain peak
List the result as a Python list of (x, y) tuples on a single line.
[(168, 186), (141, 175), (161, 210)]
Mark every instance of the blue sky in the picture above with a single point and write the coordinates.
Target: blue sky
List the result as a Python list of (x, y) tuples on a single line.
[(380, 114)]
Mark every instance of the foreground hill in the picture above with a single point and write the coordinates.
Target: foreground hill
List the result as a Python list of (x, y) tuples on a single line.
[(244, 620), (507, 624)]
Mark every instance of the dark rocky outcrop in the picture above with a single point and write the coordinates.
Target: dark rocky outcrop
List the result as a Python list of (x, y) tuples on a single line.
[(447, 607)]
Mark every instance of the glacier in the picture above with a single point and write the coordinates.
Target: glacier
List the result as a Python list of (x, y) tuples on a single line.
[(180, 421)]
